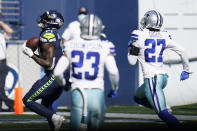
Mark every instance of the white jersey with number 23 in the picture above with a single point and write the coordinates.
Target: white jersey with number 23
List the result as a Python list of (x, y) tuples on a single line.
[(87, 61)]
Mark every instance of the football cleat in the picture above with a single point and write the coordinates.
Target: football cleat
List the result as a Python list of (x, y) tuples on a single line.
[(58, 121), (63, 120), (83, 127)]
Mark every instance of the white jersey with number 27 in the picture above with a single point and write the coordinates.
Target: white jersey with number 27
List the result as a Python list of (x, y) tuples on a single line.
[(152, 45)]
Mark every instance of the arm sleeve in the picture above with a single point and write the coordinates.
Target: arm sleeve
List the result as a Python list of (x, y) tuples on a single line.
[(112, 69), (181, 52), (132, 59), (61, 66)]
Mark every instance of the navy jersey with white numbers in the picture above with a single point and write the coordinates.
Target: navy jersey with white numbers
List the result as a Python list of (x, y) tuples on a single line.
[(53, 37)]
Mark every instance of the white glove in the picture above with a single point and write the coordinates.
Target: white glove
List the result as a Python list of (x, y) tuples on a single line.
[(27, 51)]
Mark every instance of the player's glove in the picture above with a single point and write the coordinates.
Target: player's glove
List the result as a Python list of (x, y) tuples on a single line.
[(184, 75), (130, 43), (113, 93), (27, 51)]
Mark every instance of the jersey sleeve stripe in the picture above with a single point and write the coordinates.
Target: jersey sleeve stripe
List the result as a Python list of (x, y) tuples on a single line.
[(134, 38), (112, 51), (134, 35)]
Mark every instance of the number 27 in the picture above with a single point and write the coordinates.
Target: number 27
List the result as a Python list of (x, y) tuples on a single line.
[(155, 44)]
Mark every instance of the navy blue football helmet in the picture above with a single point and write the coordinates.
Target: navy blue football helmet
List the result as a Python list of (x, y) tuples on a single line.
[(50, 20)]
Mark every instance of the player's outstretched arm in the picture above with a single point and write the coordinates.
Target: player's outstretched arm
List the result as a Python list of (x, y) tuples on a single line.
[(184, 58), (111, 67), (61, 66)]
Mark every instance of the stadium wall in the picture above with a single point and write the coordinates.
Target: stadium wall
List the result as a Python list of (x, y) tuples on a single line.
[(119, 18), (180, 19)]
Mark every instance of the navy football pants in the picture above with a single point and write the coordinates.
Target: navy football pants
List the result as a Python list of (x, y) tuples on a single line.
[(48, 91)]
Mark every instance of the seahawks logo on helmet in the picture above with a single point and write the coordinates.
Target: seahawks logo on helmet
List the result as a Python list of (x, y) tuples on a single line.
[(50, 20), (51, 16), (152, 19)]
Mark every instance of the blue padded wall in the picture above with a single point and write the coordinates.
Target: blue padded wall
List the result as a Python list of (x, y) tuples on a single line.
[(120, 18)]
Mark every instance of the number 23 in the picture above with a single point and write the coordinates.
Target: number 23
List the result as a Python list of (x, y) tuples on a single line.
[(80, 63)]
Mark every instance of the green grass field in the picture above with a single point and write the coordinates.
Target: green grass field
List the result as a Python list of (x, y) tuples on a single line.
[(8, 122), (178, 110)]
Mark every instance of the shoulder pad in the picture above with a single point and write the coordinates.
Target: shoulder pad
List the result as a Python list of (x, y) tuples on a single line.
[(109, 43), (136, 32), (111, 47), (134, 35), (73, 24), (167, 34)]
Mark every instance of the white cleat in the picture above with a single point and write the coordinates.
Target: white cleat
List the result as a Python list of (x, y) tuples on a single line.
[(57, 121), (83, 127), (169, 108), (63, 119)]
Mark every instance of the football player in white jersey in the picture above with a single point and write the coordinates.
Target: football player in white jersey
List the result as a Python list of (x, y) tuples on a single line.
[(147, 46), (73, 30), (87, 58)]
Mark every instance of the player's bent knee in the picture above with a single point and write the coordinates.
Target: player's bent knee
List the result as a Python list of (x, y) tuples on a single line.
[(26, 101)]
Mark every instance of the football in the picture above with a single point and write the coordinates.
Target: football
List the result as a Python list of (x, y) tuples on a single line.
[(33, 43)]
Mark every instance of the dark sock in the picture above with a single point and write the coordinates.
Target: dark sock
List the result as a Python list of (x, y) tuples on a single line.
[(169, 118)]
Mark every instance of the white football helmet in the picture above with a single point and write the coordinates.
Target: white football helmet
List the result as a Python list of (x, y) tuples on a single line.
[(152, 19), (91, 27)]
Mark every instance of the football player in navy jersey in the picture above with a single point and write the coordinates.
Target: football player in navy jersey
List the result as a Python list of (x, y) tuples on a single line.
[(47, 88)]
